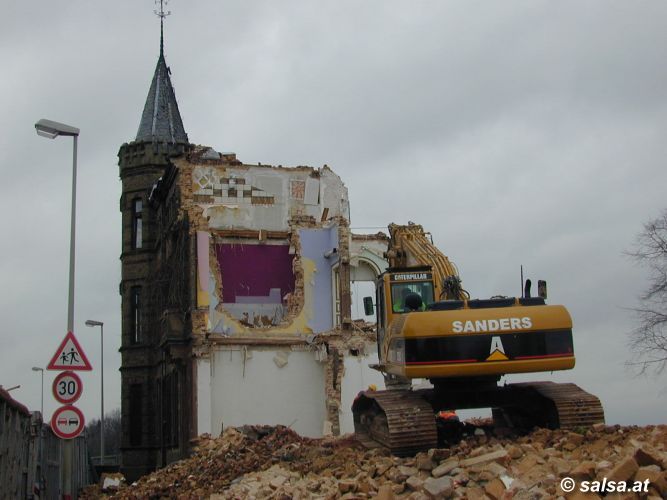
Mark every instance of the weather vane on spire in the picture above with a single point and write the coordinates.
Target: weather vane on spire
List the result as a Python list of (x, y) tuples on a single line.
[(162, 14)]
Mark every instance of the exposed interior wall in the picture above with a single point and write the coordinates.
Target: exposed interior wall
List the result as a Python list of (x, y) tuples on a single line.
[(253, 385), (256, 280), (267, 241), (320, 248)]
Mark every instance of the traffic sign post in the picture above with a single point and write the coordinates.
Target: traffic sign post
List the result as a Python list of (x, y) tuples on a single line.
[(67, 387), (67, 422)]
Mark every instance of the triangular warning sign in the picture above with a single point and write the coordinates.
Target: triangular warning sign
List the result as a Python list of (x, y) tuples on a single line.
[(69, 356), (497, 356)]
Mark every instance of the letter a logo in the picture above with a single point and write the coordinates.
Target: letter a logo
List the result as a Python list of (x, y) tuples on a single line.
[(497, 350)]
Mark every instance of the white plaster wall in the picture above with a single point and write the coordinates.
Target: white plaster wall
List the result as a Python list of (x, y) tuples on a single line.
[(203, 396), (270, 218), (357, 377), (333, 194), (328, 191), (263, 393)]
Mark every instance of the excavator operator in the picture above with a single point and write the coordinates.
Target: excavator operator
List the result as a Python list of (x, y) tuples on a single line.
[(407, 301), (413, 302), (399, 299)]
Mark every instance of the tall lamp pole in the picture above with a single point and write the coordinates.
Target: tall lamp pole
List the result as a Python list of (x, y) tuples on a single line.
[(51, 130), (41, 429), (92, 322), (41, 370)]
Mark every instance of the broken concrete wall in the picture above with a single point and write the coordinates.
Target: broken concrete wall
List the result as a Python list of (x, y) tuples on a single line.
[(267, 385), (270, 242), (275, 256), (308, 386), (263, 197), (357, 377)]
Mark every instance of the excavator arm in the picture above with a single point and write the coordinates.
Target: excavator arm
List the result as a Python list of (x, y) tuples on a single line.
[(411, 246)]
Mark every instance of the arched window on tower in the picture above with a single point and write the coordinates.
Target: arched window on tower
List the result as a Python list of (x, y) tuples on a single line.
[(137, 223)]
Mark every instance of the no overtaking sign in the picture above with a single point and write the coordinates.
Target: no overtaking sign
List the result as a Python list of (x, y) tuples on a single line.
[(67, 422)]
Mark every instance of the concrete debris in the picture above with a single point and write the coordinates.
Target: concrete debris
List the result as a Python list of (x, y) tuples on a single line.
[(258, 462), (111, 482)]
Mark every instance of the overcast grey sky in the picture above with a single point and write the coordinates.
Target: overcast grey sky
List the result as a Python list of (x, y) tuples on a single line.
[(517, 132)]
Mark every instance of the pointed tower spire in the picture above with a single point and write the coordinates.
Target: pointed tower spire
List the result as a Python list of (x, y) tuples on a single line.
[(161, 121)]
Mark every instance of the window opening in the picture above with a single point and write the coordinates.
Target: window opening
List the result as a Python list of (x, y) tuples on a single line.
[(137, 223), (135, 415), (379, 309), (135, 316), (400, 290)]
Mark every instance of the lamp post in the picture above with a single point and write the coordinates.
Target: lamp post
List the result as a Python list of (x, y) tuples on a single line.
[(41, 370), (51, 130), (41, 430), (92, 323)]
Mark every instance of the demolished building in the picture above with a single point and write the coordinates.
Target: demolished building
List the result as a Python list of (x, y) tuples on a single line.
[(236, 292)]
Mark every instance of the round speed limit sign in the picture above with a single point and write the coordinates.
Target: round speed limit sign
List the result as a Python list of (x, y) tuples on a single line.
[(67, 387)]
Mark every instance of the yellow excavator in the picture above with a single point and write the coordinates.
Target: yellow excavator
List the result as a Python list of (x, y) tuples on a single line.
[(429, 328)]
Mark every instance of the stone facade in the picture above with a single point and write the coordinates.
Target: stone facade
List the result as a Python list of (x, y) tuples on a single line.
[(142, 362)]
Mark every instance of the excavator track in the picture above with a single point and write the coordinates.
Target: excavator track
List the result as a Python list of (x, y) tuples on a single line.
[(401, 421), (572, 406)]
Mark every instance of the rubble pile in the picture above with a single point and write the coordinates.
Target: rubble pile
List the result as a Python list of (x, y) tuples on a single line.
[(274, 462)]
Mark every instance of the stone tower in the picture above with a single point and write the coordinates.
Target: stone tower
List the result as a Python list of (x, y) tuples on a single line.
[(142, 163)]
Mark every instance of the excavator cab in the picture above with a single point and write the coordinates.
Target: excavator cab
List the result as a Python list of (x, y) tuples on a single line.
[(411, 295), (400, 291)]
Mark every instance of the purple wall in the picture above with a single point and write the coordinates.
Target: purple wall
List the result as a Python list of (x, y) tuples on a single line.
[(254, 269)]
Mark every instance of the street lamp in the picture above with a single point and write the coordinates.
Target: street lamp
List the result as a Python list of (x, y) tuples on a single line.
[(51, 129), (92, 322), (41, 429), (38, 369)]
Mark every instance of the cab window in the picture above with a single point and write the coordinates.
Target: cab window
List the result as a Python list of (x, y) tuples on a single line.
[(400, 290)]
